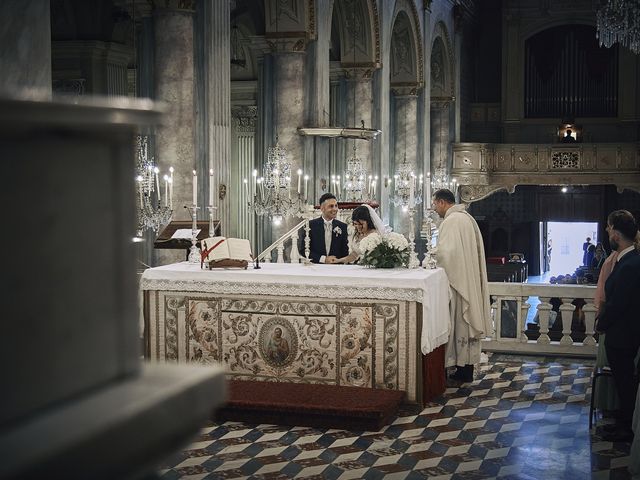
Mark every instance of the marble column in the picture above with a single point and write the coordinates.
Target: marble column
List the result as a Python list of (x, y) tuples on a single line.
[(288, 68), (406, 143), (174, 77), (217, 62), (25, 47)]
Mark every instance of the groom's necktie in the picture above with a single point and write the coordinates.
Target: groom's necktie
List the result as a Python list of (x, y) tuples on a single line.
[(327, 236)]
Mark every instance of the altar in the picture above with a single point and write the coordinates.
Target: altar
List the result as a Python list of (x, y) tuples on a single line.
[(330, 324)]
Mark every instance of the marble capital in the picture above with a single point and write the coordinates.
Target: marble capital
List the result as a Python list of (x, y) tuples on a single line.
[(359, 74), (406, 90), (174, 6), (295, 43)]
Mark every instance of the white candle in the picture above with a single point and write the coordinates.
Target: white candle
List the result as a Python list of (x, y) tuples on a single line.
[(155, 171), (254, 184), (306, 179), (299, 174), (410, 194), (140, 180), (166, 190), (246, 187), (171, 187), (428, 182), (195, 189), (211, 187)]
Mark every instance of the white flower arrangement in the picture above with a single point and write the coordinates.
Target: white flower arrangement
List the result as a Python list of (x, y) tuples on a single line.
[(388, 251)]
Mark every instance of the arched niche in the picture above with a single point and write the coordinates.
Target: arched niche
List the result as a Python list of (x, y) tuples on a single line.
[(407, 61), (355, 37)]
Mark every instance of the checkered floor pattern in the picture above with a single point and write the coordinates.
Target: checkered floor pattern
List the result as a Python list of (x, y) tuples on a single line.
[(520, 419)]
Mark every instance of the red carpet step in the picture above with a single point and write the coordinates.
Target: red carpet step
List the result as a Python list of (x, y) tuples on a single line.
[(323, 406)]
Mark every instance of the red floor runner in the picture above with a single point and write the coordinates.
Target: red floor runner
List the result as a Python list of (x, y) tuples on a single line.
[(324, 406)]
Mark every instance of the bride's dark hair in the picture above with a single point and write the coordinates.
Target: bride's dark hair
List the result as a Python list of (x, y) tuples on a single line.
[(362, 213)]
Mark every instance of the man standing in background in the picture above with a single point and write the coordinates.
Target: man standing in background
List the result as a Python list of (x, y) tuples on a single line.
[(460, 252)]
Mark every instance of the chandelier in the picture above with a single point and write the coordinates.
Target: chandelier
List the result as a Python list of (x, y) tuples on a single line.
[(408, 187), (618, 21), (356, 188), (272, 195), (155, 207), (441, 180)]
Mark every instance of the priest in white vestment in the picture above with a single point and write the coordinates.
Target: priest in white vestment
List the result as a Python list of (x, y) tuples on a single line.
[(460, 252)]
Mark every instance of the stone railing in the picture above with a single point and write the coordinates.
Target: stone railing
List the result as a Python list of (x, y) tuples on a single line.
[(512, 304), (483, 168)]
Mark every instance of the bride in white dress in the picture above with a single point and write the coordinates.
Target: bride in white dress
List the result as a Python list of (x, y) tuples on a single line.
[(365, 222)]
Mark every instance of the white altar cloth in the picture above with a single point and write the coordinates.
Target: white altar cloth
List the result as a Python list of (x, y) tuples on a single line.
[(429, 287)]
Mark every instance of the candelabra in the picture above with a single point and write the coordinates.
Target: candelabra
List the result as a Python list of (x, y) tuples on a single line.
[(405, 181), (194, 254), (212, 229), (272, 192), (152, 214), (429, 260), (413, 256)]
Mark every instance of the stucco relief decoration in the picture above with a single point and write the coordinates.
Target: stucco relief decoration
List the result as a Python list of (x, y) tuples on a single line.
[(467, 161), (473, 193), (403, 66), (565, 160), (356, 347), (437, 73), (525, 160), (202, 322)]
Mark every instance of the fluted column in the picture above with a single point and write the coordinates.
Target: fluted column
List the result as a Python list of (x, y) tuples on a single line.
[(217, 62), (406, 143), (25, 46)]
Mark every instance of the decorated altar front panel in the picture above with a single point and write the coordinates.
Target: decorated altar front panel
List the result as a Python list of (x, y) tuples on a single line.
[(246, 321)]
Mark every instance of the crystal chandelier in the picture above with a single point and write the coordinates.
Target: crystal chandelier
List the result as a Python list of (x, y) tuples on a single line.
[(272, 191), (155, 207), (408, 187), (441, 180), (356, 188), (618, 21)]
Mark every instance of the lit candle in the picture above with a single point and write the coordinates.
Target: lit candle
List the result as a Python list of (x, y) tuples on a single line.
[(195, 189), (410, 194), (155, 171), (140, 180), (166, 190), (306, 179), (246, 187), (299, 173), (255, 179), (211, 187), (171, 187)]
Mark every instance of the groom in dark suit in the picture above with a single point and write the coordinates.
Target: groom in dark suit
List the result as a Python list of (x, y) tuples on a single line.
[(620, 321), (329, 240)]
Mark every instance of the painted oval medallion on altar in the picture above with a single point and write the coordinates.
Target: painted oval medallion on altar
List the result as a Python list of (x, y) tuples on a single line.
[(278, 342)]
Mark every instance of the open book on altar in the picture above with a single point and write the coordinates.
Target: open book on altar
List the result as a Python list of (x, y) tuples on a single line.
[(226, 252)]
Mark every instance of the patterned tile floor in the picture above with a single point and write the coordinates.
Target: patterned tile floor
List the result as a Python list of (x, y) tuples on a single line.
[(522, 418)]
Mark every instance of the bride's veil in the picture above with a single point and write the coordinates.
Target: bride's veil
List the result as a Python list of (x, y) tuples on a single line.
[(377, 221)]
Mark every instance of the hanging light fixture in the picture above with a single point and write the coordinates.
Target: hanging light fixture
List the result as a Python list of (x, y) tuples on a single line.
[(618, 21), (272, 195), (356, 186)]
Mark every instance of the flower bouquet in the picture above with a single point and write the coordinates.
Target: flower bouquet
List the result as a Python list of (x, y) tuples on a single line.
[(384, 251)]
